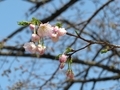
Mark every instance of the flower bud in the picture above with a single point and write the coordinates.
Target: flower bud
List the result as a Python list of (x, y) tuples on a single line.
[(63, 58), (70, 74), (32, 26), (35, 38)]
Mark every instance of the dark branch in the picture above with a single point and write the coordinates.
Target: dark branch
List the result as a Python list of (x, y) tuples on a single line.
[(78, 61), (99, 79)]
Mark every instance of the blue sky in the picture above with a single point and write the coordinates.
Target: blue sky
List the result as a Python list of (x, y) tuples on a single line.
[(11, 13)]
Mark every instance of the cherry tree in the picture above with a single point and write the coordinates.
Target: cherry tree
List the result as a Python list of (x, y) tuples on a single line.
[(64, 45)]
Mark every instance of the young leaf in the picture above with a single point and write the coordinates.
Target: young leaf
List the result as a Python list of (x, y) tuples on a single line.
[(35, 21), (59, 24), (104, 50), (24, 23)]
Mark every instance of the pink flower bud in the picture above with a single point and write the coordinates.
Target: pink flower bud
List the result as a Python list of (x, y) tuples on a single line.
[(63, 58), (35, 38), (70, 74), (32, 26)]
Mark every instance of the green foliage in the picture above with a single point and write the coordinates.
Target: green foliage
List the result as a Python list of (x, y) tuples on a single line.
[(34, 21), (59, 24), (23, 23), (68, 49), (104, 51), (76, 32)]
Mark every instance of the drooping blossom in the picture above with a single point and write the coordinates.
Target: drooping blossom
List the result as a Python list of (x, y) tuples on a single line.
[(44, 30), (35, 38), (30, 47), (61, 31), (70, 74), (63, 58), (32, 26), (41, 49), (54, 37), (57, 32), (54, 34)]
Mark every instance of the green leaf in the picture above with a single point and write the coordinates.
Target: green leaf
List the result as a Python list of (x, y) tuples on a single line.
[(24, 23), (59, 24), (76, 32), (104, 50), (35, 21), (68, 49)]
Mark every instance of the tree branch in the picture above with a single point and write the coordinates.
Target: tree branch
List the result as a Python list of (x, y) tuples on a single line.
[(78, 61)]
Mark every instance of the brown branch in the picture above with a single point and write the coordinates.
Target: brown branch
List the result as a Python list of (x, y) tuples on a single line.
[(78, 61), (38, 4), (94, 14), (49, 78), (98, 79)]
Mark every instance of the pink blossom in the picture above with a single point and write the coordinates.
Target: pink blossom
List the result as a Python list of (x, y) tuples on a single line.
[(35, 38), (44, 30), (54, 37), (56, 32), (41, 49), (63, 58), (30, 47), (32, 26), (61, 31), (55, 29)]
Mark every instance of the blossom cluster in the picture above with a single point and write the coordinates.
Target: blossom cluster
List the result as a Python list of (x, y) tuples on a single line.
[(39, 33)]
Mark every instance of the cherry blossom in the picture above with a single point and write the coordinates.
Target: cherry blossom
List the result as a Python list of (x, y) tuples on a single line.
[(54, 37), (61, 31), (30, 47), (44, 30), (63, 58), (35, 38), (56, 32), (41, 49)]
